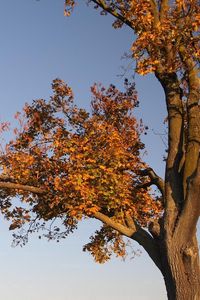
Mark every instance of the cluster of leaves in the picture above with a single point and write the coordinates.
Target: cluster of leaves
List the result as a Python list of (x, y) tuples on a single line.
[(104, 243), (81, 163), (163, 30)]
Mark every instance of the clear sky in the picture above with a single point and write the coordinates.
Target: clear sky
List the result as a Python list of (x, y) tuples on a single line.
[(39, 44)]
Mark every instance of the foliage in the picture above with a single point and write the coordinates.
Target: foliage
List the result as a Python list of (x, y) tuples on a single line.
[(162, 30), (82, 165), (85, 163)]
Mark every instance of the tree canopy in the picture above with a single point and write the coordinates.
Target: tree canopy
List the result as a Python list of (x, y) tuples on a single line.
[(167, 38), (67, 163), (79, 165)]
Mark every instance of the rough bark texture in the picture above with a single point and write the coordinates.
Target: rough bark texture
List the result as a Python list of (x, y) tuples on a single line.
[(178, 244), (180, 268)]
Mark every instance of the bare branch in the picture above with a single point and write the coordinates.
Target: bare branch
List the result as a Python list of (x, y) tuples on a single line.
[(115, 14), (130, 222), (117, 226), (28, 188), (155, 179)]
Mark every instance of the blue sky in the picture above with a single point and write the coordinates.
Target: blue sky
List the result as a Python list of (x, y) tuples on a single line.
[(39, 44)]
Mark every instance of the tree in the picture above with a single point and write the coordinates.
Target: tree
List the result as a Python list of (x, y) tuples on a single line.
[(79, 165)]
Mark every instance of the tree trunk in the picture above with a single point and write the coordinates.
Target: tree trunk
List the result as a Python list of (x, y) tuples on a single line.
[(181, 269)]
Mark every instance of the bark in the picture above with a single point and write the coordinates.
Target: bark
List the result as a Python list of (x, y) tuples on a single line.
[(180, 269), (17, 186), (175, 256), (173, 178)]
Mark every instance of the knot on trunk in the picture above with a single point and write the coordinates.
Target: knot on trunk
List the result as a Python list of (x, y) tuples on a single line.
[(188, 251)]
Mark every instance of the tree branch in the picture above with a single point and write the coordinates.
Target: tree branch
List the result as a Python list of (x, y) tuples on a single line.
[(117, 226), (149, 244), (115, 14), (164, 5), (193, 117), (154, 10), (173, 179), (135, 232), (155, 179), (28, 188)]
